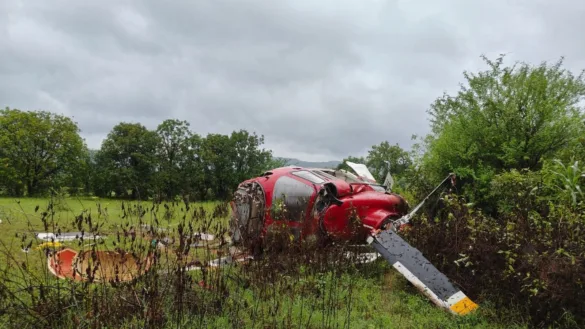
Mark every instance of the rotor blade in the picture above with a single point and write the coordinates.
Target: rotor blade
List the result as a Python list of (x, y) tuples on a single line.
[(421, 273)]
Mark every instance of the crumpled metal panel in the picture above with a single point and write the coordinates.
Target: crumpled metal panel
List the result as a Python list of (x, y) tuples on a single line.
[(247, 219)]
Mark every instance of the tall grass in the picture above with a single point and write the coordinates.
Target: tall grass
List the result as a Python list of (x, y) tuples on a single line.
[(294, 286)]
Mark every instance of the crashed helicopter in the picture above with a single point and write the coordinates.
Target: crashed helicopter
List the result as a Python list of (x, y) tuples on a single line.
[(312, 204), (318, 203)]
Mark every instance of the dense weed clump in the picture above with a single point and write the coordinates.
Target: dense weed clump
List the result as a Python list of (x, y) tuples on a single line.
[(530, 255)]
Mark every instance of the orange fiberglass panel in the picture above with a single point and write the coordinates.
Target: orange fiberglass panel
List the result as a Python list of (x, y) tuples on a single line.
[(61, 264), (99, 266)]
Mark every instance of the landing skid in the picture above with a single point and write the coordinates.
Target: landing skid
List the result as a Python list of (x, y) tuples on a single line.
[(239, 257)]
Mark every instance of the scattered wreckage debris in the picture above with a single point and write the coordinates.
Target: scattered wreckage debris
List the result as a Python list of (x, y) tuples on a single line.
[(115, 266), (199, 239), (204, 240), (97, 266), (56, 240), (218, 262), (203, 236), (66, 236), (153, 229)]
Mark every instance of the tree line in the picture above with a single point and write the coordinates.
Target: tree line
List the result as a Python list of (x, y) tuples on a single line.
[(43, 153)]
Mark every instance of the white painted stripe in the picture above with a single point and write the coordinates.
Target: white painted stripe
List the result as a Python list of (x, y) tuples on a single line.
[(52, 257), (456, 297), (363, 257), (418, 283)]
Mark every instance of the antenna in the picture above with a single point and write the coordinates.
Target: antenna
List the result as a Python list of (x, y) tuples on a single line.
[(389, 180)]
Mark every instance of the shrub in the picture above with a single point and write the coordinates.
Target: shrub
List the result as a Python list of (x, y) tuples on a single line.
[(532, 254)]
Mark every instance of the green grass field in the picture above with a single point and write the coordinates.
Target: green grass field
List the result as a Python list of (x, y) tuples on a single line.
[(301, 296), (22, 218)]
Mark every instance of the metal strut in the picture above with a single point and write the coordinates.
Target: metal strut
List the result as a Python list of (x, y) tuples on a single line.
[(406, 218)]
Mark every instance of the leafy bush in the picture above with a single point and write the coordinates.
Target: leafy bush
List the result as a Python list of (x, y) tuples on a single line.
[(503, 118), (566, 181), (531, 254)]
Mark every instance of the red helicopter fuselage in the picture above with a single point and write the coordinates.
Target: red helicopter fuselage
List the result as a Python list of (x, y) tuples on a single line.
[(317, 202)]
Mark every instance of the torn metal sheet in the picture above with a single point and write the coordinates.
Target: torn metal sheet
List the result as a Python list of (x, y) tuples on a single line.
[(362, 171), (363, 258), (411, 263), (205, 244), (67, 236), (212, 263), (204, 236), (205, 240), (215, 263)]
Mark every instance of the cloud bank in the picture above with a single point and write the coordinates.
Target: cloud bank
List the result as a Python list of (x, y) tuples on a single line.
[(320, 80)]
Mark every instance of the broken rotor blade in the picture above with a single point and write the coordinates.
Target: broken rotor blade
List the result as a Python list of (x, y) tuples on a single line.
[(411, 263)]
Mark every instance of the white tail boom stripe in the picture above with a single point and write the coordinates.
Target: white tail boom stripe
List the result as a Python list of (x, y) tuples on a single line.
[(419, 284)]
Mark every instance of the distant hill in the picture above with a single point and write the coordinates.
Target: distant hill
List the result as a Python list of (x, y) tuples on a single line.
[(301, 163)]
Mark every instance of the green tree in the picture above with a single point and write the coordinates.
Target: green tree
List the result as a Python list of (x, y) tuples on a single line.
[(249, 159), (193, 172), (275, 162), (38, 150), (383, 154), (127, 161), (174, 156), (228, 160), (381, 158), (504, 118), (344, 166), (217, 155)]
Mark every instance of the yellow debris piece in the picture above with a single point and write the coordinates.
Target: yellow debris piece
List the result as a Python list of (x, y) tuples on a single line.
[(464, 306), (48, 245)]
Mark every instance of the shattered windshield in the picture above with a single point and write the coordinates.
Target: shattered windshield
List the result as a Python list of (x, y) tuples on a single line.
[(290, 199)]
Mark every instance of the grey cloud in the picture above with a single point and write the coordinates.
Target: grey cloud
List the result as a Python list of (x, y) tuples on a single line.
[(320, 80)]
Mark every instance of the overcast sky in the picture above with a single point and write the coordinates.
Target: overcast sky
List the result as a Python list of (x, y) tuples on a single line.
[(319, 79)]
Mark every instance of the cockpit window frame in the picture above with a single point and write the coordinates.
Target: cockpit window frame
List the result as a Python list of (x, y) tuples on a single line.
[(324, 174), (296, 194), (318, 180)]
